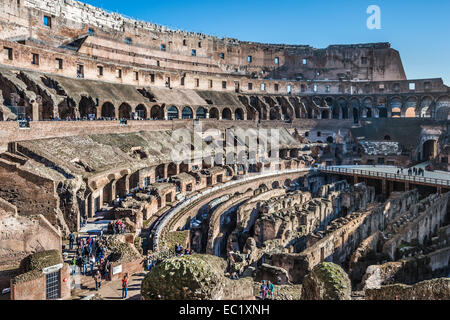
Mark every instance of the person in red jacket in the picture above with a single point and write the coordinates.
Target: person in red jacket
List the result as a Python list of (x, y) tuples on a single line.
[(125, 286)]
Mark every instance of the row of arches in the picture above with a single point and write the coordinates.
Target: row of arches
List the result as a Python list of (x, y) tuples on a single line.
[(288, 108), (172, 112), (262, 107)]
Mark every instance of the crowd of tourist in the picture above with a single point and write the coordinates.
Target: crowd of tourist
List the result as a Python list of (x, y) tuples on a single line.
[(180, 251), (412, 171), (266, 290), (118, 227), (90, 258)]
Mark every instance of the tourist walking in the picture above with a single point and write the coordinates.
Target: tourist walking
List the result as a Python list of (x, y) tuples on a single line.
[(107, 268), (271, 289), (73, 265), (263, 290), (125, 286), (149, 263), (71, 241), (92, 263), (85, 264), (98, 280)]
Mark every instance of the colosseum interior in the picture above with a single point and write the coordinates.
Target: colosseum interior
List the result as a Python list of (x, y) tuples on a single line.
[(354, 174)]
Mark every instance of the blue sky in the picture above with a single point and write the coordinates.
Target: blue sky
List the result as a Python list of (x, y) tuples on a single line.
[(419, 29)]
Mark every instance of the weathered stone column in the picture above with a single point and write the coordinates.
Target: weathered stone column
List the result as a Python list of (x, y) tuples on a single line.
[(35, 110)]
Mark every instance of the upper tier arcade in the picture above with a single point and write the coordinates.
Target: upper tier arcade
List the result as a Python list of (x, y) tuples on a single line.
[(85, 29)]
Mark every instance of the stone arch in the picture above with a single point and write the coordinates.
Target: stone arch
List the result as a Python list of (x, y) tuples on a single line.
[(395, 107), (410, 108), (275, 113), (442, 108), (66, 109), (260, 107), (308, 108), (335, 110), (173, 113), (214, 113), (157, 113), (382, 112), (425, 107), (172, 169), (368, 111), (87, 107), (410, 112), (124, 111), (187, 113), (141, 112), (108, 110), (343, 108), (355, 110), (239, 114), (160, 172), (429, 150), (201, 113), (46, 111), (226, 114), (299, 113)]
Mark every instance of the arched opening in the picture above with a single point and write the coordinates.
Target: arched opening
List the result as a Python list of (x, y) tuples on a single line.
[(442, 114), (157, 113), (429, 150), (263, 187), (214, 113), (226, 114), (87, 108), (275, 113), (187, 113), (239, 114), (396, 112), (367, 103), (160, 172), (442, 109), (355, 115), (124, 111), (410, 112), (201, 113), (382, 112), (275, 185), (343, 106), (335, 112), (396, 108), (330, 139), (46, 111), (172, 113), (141, 112), (325, 114), (287, 183), (66, 110), (355, 110), (387, 138), (172, 169), (425, 110), (108, 110), (1, 115)]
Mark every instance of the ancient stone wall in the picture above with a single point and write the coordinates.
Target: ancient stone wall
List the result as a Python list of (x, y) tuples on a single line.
[(343, 237), (418, 225), (436, 289), (30, 193)]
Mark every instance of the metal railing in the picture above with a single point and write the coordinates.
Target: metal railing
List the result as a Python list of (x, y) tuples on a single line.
[(385, 175)]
